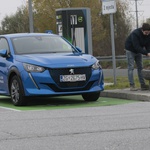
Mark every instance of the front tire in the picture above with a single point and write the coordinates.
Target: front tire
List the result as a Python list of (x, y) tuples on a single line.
[(17, 92), (91, 96)]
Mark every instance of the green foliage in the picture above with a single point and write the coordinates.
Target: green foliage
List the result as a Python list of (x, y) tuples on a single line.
[(148, 20), (121, 82), (44, 14), (122, 64), (16, 23)]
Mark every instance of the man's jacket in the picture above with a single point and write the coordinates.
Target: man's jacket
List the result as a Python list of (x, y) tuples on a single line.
[(137, 42)]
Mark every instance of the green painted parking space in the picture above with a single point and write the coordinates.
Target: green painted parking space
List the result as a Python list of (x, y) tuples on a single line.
[(62, 102)]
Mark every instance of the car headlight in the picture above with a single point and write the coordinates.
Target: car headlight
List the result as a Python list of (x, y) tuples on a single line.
[(96, 65), (32, 68)]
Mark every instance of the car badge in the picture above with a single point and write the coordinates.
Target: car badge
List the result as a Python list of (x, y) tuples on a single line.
[(71, 71)]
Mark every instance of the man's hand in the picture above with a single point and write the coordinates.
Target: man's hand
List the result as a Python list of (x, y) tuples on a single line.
[(148, 54)]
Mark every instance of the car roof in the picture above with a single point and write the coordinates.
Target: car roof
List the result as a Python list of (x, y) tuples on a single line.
[(26, 34)]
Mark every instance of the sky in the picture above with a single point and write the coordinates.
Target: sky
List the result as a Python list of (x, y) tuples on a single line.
[(8, 7), (143, 10)]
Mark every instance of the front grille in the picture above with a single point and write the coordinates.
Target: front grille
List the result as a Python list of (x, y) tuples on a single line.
[(57, 89), (55, 74)]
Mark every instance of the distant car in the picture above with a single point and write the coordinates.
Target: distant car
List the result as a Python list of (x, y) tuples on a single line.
[(41, 64)]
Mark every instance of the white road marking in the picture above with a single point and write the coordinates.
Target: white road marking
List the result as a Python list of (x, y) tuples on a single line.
[(9, 108)]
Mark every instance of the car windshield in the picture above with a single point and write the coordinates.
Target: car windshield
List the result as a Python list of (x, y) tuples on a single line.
[(40, 44)]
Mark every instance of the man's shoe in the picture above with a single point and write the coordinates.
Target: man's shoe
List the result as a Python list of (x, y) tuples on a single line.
[(144, 87), (132, 88)]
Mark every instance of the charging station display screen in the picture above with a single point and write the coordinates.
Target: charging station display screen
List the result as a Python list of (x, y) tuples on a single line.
[(75, 25)]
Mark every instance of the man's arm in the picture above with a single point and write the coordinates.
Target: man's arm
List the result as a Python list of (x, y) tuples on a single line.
[(147, 45), (148, 54), (136, 44)]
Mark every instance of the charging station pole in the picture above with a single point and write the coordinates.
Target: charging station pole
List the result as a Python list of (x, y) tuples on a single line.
[(109, 7)]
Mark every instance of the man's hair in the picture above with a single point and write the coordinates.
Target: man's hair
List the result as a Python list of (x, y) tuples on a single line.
[(146, 27)]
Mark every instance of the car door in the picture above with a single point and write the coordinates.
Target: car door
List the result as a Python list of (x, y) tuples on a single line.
[(4, 64)]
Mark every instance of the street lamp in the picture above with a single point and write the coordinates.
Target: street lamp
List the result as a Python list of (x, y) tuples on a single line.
[(30, 16)]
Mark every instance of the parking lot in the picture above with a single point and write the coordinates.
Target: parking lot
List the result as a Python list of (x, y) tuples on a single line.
[(122, 126), (62, 102)]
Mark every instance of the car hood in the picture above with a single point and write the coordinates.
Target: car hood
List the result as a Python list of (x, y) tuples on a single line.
[(57, 60)]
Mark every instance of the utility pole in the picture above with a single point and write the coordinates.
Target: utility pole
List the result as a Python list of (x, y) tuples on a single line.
[(136, 12), (109, 7), (30, 16)]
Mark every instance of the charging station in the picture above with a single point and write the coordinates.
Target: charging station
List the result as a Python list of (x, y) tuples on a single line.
[(74, 24)]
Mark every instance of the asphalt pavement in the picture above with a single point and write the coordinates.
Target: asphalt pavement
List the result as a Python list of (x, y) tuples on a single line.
[(124, 93), (117, 127)]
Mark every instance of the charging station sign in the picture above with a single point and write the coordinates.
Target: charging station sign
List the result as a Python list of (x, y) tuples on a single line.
[(108, 7)]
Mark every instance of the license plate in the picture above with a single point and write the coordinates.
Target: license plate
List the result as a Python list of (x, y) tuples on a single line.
[(72, 78)]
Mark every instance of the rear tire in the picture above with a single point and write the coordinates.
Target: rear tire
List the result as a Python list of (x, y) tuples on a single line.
[(91, 96), (17, 92)]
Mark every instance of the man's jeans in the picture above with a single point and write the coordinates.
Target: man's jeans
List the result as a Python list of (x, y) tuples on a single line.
[(131, 57)]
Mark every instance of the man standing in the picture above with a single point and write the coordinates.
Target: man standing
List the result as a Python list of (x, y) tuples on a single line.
[(137, 43)]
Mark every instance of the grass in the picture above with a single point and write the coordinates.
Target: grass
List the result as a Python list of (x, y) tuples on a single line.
[(122, 64), (121, 82)]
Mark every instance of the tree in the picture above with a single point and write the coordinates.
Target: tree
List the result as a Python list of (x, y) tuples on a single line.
[(44, 14), (16, 23), (122, 26), (148, 20), (48, 19)]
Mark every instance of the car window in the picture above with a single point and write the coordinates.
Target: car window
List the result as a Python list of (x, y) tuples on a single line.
[(40, 44), (4, 44)]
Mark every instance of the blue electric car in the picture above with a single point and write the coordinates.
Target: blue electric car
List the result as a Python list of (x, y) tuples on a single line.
[(40, 64)]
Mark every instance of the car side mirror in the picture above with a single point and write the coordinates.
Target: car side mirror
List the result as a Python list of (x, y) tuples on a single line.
[(79, 49), (3, 53)]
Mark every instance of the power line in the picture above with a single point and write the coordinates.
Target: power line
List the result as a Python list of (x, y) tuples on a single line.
[(136, 12)]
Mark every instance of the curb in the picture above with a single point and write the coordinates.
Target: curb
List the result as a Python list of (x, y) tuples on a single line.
[(127, 94)]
